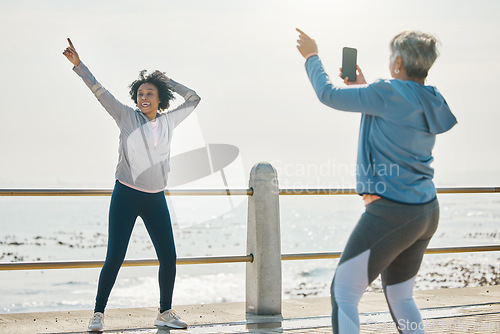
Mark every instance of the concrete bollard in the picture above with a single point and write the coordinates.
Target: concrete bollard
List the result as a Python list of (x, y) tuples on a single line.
[(263, 275)]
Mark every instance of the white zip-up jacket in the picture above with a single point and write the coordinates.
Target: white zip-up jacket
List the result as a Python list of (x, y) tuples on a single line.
[(141, 164)]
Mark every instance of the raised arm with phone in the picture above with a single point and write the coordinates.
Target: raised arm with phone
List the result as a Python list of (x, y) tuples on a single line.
[(400, 118)]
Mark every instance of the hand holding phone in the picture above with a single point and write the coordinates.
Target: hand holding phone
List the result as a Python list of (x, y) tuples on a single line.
[(349, 58)]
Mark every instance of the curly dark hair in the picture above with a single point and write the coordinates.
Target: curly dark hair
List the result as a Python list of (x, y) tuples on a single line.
[(160, 81)]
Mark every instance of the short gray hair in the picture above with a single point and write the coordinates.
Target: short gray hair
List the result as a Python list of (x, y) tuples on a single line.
[(417, 50)]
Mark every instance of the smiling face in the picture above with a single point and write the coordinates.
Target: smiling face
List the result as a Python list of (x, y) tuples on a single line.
[(148, 100)]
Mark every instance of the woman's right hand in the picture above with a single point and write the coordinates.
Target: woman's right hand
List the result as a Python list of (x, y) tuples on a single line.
[(360, 78), (71, 54)]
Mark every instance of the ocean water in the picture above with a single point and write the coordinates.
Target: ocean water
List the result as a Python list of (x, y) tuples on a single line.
[(75, 228)]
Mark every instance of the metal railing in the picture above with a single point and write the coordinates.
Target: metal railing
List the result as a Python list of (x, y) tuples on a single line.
[(350, 191), (41, 265), (225, 192), (439, 250), (263, 257), (83, 264), (107, 192)]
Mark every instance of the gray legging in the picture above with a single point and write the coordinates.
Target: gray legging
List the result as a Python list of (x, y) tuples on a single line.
[(389, 239)]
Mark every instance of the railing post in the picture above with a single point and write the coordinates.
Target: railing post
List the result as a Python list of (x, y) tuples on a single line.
[(263, 275)]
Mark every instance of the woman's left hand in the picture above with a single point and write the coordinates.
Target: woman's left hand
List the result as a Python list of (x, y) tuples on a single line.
[(306, 45)]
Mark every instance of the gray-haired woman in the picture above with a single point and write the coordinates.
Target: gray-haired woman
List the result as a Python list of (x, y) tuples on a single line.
[(400, 120)]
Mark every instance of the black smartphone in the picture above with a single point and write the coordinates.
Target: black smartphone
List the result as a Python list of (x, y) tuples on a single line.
[(349, 56)]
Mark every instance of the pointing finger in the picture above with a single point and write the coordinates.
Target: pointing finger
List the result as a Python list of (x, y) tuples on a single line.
[(300, 31), (71, 44)]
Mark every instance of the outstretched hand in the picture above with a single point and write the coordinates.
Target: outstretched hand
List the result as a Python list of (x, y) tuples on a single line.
[(71, 54), (360, 78), (306, 45)]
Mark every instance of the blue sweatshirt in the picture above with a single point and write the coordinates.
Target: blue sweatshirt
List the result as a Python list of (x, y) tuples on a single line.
[(141, 163), (399, 124)]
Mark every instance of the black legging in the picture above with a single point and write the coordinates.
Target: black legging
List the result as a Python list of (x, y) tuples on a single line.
[(126, 205)]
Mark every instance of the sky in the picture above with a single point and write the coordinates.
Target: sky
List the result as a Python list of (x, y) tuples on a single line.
[(241, 58)]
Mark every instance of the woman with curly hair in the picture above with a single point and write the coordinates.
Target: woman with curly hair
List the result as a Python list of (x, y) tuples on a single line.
[(141, 178)]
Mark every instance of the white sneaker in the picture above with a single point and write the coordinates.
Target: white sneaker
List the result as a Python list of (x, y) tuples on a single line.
[(96, 324), (170, 319)]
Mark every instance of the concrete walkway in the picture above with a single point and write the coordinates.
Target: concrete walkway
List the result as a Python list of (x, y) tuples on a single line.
[(464, 310)]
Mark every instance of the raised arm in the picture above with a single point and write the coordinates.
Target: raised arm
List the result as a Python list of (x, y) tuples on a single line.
[(357, 98), (114, 107), (191, 101)]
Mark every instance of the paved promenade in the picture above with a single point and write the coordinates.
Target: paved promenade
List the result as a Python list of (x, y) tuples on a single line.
[(464, 310)]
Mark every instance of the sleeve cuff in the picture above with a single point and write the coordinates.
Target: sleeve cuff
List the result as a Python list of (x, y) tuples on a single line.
[(310, 55)]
